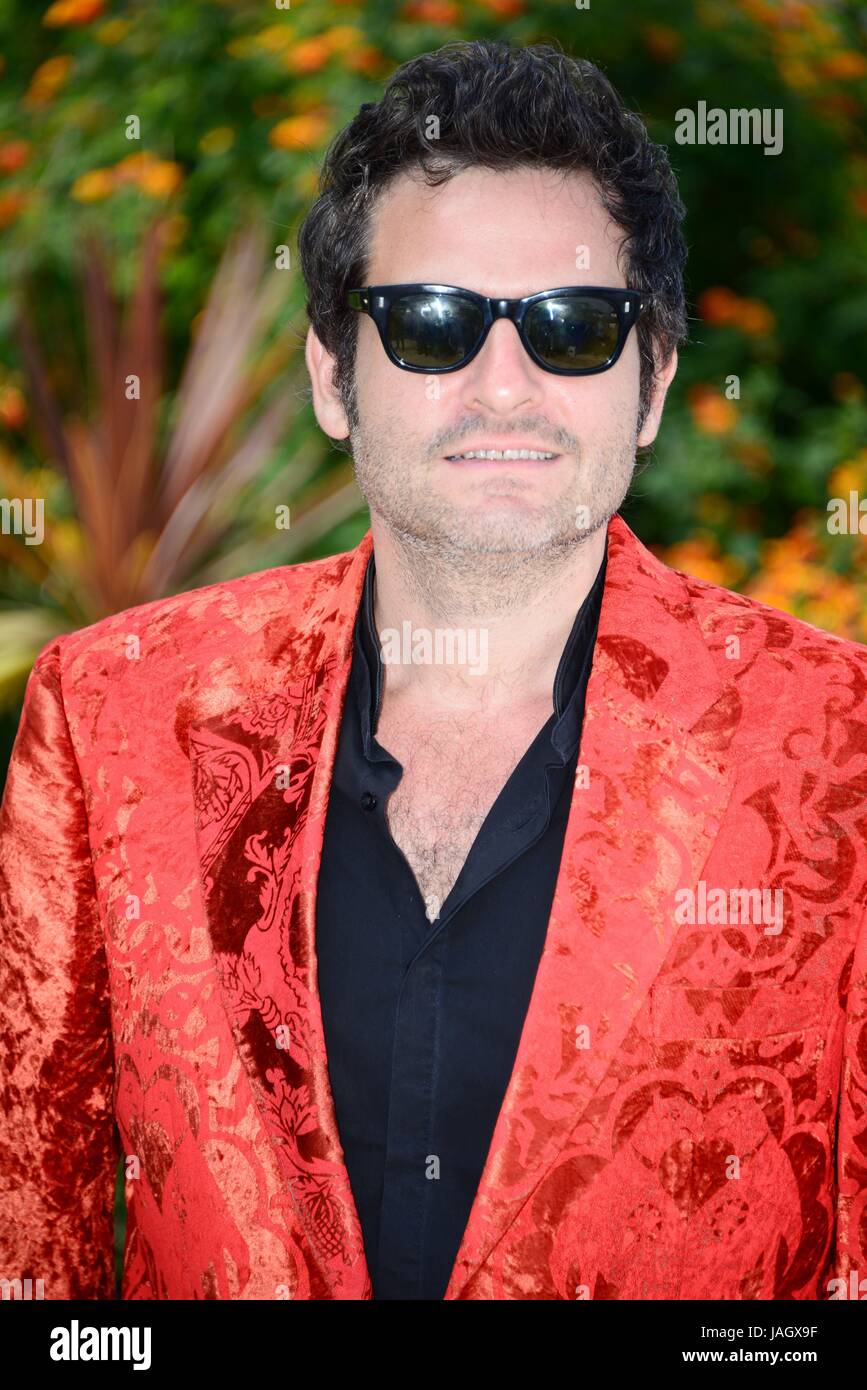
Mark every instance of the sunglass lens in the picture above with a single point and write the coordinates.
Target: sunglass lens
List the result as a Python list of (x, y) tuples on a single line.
[(433, 330), (575, 331)]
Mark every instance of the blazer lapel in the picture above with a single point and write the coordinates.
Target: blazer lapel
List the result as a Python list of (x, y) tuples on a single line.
[(262, 736), (649, 797)]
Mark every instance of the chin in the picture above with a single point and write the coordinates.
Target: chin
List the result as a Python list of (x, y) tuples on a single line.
[(500, 531)]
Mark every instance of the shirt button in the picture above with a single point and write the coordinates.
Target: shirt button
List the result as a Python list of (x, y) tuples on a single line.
[(368, 801)]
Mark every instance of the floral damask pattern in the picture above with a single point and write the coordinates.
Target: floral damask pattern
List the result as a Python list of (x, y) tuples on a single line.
[(687, 1112)]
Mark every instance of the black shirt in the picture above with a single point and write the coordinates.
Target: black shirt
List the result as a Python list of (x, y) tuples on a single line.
[(422, 1020)]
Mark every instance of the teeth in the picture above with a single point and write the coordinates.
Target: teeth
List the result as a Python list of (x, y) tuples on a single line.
[(504, 454)]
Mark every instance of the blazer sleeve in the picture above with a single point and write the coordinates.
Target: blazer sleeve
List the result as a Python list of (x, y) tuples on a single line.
[(58, 1144), (851, 1159)]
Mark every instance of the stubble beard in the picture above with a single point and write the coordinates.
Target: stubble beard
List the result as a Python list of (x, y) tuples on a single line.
[(487, 558)]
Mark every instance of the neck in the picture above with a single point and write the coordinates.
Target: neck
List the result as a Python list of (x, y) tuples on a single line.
[(509, 616)]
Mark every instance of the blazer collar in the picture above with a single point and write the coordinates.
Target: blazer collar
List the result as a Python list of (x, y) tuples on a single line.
[(262, 734)]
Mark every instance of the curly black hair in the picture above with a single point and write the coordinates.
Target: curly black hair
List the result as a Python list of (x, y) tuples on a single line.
[(498, 107)]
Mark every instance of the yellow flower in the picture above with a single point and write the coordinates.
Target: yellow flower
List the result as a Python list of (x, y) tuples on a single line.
[(342, 37), (156, 177), (275, 38), (93, 186), (848, 477)]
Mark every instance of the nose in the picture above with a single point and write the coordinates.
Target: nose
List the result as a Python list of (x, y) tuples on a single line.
[(502, 377)]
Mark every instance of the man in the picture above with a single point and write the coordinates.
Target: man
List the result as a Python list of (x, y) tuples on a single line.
[(477, 914)]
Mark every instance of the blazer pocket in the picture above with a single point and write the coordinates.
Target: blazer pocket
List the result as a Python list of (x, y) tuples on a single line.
[(720, 1013)]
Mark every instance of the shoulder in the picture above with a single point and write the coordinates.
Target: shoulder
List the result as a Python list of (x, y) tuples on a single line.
[(171, 637), (722, 613)]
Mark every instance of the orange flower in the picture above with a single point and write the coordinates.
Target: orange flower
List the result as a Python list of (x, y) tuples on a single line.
[(432, 11), (160, 178), (64, 12), (712, 413), (308, 56), (701, 556), (127, 169), (13, 407), (755, 317), (794, 579), (13, 156), (47, 80), (844, 66), (721, 306), (299, 132), (849, 476), (11, 204), (717, 305), (366, 59), (93, 186), (343, 37), (503, 9)]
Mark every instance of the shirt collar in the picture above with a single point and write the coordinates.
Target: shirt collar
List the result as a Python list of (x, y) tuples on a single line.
[(570, 680)]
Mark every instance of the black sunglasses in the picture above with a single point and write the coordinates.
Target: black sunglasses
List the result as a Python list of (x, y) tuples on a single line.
[(574, 331)]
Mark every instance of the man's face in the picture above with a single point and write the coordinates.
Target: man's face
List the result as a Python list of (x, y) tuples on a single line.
[(506, 235)]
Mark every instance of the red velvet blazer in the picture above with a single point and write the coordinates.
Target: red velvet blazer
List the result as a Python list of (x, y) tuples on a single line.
[(687, 1114)]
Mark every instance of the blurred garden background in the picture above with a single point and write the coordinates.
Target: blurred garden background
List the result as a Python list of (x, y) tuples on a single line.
[(155, 161)]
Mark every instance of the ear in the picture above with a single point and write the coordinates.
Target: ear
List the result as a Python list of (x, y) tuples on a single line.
[(662, 379), (326, 401)]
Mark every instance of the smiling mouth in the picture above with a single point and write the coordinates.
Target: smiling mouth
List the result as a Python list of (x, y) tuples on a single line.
[(505, 455)]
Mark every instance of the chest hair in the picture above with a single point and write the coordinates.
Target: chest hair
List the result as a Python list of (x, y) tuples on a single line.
[(453, 771)]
